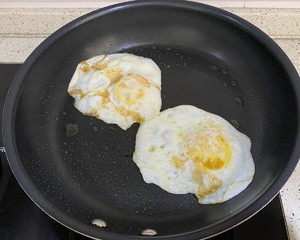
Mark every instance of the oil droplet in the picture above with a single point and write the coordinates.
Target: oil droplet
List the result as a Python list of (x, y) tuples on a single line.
[(239, 101), (154, 47), (233, 82), (250, 93), (111, 128), (71, 129), (235, 123), (225, 83), (213, 67), (257, 112)]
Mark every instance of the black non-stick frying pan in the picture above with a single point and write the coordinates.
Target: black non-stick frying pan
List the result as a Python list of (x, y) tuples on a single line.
[(78, 168)]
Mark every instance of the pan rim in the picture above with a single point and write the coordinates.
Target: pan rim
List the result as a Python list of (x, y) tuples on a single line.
[(13, 95)]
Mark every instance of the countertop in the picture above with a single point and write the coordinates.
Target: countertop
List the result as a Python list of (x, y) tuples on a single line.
[(22, 29)]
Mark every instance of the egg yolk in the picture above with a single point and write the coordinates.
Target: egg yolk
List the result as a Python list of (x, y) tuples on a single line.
[(211, 152), (208, 151), (131, 89), (127, 89)]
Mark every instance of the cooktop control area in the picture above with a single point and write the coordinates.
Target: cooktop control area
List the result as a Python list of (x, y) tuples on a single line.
[(21, 219)]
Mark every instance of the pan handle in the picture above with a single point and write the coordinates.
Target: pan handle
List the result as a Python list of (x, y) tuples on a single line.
[(5, 172)]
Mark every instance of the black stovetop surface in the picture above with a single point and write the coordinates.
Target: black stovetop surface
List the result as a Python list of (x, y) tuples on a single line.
[(21, 219)]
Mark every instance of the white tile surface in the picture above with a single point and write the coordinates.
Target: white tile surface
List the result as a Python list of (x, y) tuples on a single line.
[(272, 4), (292, 48), (37, 22), (103, 3), (17, 49), (226, 4), (278, 23), (56, 4)]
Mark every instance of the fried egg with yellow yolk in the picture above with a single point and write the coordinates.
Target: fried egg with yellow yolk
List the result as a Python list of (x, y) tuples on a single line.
[(188, 150), (117, 88)]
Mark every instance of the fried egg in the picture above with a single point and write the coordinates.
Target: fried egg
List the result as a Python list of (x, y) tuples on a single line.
[(117, 88), (188, 150)]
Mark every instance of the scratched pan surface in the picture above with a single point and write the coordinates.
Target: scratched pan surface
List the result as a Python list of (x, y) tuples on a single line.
[(77, 168)]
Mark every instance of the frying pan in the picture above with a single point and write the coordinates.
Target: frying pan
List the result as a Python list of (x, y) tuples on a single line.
[(78, 169)]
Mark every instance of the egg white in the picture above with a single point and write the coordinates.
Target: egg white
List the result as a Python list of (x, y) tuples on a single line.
[(187, 150), (117, 88)]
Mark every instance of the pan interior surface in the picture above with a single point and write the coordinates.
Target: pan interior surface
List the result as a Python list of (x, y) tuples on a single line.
[(84, 167)]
